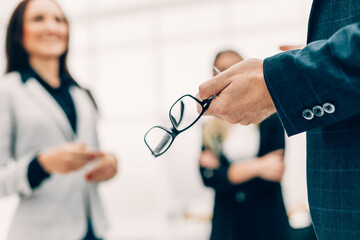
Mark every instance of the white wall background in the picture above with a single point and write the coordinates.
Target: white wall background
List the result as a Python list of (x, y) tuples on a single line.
[(138, 57)]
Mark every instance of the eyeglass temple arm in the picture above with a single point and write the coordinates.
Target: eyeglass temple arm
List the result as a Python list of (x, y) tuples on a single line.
[(206, 102), (216, 70)]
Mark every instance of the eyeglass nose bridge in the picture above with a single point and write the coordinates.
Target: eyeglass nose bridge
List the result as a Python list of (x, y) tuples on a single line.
[(174, 132)]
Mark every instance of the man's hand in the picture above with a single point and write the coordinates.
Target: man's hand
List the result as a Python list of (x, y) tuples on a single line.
[(244, 97)]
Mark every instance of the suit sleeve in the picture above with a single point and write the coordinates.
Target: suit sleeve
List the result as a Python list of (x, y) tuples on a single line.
[(13, 174), (325, 71)]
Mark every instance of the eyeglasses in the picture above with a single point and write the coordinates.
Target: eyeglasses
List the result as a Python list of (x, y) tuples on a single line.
[(183, 114)]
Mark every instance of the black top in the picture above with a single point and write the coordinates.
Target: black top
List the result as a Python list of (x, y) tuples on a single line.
[(60, 94), (36, 174), (253, 210)]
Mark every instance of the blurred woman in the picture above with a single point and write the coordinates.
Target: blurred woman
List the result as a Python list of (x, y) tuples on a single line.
[(49, 152), (244, 165)]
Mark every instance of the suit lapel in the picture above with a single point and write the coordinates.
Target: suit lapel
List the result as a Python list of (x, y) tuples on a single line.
[(49, 105)]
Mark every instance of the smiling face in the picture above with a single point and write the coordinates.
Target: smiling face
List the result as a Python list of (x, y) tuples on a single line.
[(45, 29)]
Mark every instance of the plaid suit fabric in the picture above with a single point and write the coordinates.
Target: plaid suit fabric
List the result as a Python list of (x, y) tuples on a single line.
[(327, 70), (333, 172)]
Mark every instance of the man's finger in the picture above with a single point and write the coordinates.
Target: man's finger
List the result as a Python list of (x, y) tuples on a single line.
[(291, 47), (215, 105), (213, 86)]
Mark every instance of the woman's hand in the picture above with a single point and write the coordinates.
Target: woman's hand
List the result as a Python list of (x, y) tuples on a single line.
[(271, 166), (106, 169), (208, 159), (66, 158)]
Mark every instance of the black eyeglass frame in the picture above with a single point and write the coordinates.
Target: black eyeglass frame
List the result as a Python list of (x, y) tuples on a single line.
[(174, 131)]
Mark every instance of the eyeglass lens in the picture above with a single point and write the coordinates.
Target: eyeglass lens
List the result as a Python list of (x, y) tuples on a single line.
[(158, 140), (184, 112)]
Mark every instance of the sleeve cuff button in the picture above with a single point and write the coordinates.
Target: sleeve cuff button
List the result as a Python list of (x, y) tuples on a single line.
[(318, 111), (308, 114), (329, 108), (208, 173)]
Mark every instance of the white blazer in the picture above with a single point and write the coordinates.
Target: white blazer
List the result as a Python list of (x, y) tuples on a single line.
[(31, 120)]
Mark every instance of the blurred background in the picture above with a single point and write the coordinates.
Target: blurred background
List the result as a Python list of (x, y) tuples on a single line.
[(138, 57)]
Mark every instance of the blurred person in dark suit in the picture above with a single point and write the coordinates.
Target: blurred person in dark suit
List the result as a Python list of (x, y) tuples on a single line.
[(244, 165), (48, 133), (315, 89)]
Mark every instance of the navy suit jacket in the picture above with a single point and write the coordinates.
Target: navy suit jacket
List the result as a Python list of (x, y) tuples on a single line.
[(327, 70)]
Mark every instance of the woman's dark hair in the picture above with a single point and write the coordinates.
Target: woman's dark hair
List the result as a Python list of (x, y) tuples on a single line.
[(16, 56)]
